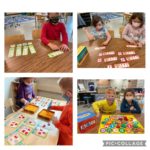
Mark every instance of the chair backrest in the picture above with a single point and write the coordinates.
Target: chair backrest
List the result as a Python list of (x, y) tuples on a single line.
[(36, 34), (111, 33), (14, 39), (14, 88), (120, 31)]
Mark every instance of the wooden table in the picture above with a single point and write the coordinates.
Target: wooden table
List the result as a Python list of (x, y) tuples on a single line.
[(117, 45), (39, 62), (32, 139), (139, 117)]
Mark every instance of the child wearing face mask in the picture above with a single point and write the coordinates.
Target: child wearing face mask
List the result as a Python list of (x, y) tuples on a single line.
[(129, 105), (107, 105), (64, 124), (134, 31), (54, 30), (99, 31), (25, 92)]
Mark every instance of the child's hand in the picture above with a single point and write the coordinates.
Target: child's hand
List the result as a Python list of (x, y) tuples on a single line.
[(133, 42), (64, 47), (26, 102), (105, 43), (55, 120), (98, 115), (84, 29), (139, 44), (54, 47), (132, 108)]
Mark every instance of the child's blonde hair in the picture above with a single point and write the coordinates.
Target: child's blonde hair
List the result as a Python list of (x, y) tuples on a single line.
[(65, 83), (110, 91)]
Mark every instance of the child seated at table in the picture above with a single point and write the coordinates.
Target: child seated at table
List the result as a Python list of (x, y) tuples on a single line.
[(134, 31), (99, 31), (129, 105), (64, 124), (54, 30), (25, 92), (107, 105)]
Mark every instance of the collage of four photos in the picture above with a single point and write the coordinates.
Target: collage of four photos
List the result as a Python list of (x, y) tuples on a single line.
[(39, 110)]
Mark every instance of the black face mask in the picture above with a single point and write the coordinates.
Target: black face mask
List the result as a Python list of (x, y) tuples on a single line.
[(54, 20)]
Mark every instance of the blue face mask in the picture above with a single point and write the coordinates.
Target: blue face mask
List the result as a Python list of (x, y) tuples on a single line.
[(67, 98)]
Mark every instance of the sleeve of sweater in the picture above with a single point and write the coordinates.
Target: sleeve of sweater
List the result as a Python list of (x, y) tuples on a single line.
[(67, 129), (137, 108), (124, 108), (43, 35), (33, 94), (125, 33), (64, 34), (20, 93), (59, 108)]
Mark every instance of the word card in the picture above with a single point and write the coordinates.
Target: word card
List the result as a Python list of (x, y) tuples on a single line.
[(132, 46), (18, 50), (122, 65), (54, 54), (110, 59), (31, 48), (100, 48), (11, 51), (129, 53), (108, 53), (25, 50), (130, 58)]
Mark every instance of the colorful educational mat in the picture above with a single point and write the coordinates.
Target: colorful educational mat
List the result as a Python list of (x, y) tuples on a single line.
[(47, 102), (41, 101), (20, 131), (22, 49), (120, 124)]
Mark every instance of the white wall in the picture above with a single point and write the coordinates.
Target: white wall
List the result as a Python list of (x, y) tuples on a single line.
[(48, 87), (8, 93)]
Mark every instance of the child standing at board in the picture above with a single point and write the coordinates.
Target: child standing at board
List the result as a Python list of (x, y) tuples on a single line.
[(99, 31), (25, 92), (64, 124), (53, 30), (107, 105), (129, 105), (134, 31)]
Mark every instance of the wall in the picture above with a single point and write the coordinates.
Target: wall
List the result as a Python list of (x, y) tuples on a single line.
[(8, 93)]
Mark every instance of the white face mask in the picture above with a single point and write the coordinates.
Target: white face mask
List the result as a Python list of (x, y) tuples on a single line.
[(136, 24), (28, 83), (129, 98)]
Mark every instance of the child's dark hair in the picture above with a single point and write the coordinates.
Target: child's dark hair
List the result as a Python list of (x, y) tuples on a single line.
[(96, 19), (24, 78), (140, 16), (129, 90)]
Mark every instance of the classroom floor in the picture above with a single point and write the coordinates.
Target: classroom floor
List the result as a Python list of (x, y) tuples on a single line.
[(113, 24), (27, 27)]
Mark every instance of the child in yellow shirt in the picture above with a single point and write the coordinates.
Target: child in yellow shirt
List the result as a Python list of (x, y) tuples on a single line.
[(107, 105)]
